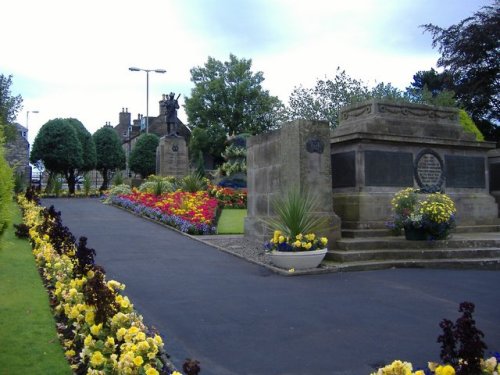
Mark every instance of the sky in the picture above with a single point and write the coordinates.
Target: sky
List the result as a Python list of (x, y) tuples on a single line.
[(71, 58)]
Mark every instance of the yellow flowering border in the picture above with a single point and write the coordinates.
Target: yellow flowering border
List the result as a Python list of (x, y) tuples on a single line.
[(489, 366), (120, 345)]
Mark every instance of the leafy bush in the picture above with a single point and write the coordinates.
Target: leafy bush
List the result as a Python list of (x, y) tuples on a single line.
[(157, 185), (117, 190), (193, 183), (6, 187), (469, 125), (87, 184)]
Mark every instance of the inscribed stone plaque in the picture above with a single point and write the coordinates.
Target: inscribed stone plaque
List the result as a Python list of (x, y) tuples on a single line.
[(465, 171), (495, 176), (429, 169), (344, 169), (386, 168)]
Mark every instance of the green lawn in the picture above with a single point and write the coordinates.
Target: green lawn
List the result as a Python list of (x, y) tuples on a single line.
[(231, 221), (28, 339)]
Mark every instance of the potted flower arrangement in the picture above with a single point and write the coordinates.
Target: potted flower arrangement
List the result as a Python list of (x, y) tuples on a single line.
[(423, 216), (294, 244)]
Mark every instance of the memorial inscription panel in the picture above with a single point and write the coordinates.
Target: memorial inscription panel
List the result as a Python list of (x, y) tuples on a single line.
[(344, 169), (429, 170), (465, 171), (388, 168)]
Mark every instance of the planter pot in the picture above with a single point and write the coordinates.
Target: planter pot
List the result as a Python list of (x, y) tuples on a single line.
[(415, 234), (298, 260)]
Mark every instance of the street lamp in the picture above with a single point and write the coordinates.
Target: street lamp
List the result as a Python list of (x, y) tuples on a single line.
[(28, 117), (134, 69)]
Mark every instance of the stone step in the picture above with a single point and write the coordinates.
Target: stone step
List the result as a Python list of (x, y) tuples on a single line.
[(343, 256), (474, 263), (364, 233), (457, 240)]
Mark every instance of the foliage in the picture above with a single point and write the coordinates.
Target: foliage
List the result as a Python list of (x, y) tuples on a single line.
[(117, 190), (157, 185), (324, 101), (19, 182), (9, 107), (193, 182), (109, 153), (235, 156), (58, 148), (100, 330), (229, 99), (294, 210), (6, 187), (398, 368), (469, 126), (88, 146), (143, 156), (193, 213), (471, 55), (433, 212), (210, 141), (461, 343), (28, 342), (118, 178), (87, 184)]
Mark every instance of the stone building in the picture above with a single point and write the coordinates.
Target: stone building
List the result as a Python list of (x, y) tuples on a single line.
[(17, 153)]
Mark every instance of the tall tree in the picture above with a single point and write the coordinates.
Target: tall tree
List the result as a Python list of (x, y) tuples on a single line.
[(88, 152), (9, 107), (58, 148), (142, 158), (470, 52), (228, 96), (109, 152), (324, 101)]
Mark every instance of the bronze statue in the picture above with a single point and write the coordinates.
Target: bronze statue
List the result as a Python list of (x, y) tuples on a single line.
[(171, 106)]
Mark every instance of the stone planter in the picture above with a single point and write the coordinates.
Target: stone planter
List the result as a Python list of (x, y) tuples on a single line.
[(298, 260)]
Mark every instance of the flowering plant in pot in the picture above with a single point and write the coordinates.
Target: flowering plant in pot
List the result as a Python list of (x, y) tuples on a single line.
[(423, 216), (295, 244)]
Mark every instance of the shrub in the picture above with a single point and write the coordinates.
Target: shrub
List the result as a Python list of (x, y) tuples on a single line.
[(193, 182), (469, 125), (157, 185), (6, 187), (87, 184)]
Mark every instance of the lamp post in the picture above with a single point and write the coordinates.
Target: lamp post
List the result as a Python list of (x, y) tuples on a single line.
[(28, 117), (134, 69)]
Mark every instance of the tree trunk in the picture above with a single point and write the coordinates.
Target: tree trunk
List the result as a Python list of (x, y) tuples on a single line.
[(105, 179), (71, 182)]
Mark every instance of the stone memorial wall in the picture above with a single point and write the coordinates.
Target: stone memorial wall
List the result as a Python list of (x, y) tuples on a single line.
[(297, 155), (381, 147), (172, 157)]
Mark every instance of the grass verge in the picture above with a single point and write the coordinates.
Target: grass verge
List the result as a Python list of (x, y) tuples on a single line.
[(231, 221), (28, 340)]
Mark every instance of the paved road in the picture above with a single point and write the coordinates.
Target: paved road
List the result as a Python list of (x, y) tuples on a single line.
[(239, 318)]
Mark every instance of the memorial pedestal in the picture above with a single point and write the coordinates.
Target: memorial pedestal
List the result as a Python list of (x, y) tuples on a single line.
[(172, 157)]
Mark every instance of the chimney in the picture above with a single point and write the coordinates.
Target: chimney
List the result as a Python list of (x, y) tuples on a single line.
[(124, 118)]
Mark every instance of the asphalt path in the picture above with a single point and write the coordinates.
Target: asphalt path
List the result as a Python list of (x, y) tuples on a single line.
[(239, 318)]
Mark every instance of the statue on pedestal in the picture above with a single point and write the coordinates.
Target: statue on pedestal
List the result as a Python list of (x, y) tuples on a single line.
[(171, 105)]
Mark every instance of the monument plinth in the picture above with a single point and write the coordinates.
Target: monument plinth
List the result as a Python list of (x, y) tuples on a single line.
[(172, 157)]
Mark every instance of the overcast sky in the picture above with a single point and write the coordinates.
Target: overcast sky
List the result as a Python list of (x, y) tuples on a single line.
[(71, 59)]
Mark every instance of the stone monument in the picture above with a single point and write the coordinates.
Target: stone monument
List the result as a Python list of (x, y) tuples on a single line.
[(297, 155), (382, 147), (172, 157)]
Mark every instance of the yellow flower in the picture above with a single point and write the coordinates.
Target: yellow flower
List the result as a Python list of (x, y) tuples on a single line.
[(174, 373), (152, 371), (138, 361), (69, 353), (420, 372), (120, 333), (445, 370), (90, 274), (95, 329), (310, 236), (110, 341), (323, 241), (97, 359), (141, 336), (158, 340), (299, 237), (281, 239), (297, 243), (89, 317), (307, 245)]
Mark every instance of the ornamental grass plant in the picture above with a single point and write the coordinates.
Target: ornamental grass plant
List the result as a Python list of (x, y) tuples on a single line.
[(296, 223)]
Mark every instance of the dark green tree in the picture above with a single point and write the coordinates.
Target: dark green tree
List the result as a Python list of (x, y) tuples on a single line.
[(88, 146), (142, 158), (109, 152), (470, 54), (58, 149), (9, 107), (208, 141), (229, 97)]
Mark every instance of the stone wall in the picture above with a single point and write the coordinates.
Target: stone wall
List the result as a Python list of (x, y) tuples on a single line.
[(172, 157), (17, 155), (382, 147), (297, 155), (494, 168)]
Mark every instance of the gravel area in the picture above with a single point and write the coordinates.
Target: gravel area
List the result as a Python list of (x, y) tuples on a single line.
[(253, 252)]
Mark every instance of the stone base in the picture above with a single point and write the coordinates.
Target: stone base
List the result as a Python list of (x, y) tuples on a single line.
[(373, 210), (172, 157)]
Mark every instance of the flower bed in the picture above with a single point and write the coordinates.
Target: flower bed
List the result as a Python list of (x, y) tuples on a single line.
[(194, 213), (229, 197), (98, 326)]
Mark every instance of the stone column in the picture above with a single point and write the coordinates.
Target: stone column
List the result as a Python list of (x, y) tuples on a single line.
[(297, 155), (172, 157)]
